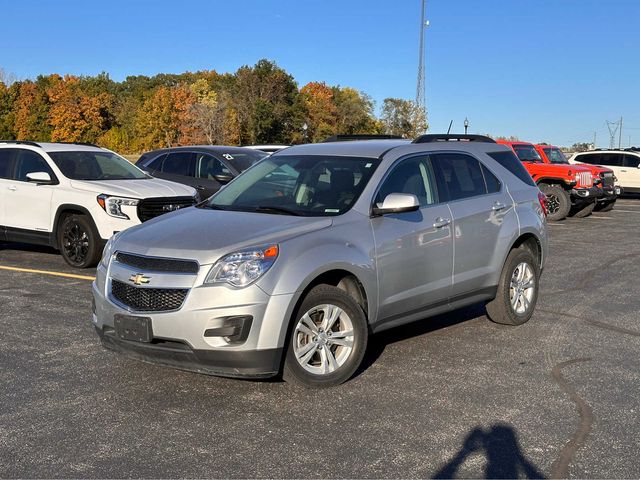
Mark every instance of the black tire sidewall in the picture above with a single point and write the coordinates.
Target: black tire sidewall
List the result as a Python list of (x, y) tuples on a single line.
[(563, 199), (584, 210), (516, 257), (94, 251), (605, 206), (293, 371)]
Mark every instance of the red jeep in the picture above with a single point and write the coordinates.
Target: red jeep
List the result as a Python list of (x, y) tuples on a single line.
[(569, 188), (604, 178)]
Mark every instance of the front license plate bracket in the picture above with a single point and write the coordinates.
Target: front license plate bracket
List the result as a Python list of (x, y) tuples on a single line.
[(136, 329)]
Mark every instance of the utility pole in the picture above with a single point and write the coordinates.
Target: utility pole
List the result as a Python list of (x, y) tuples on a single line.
[(420, 89), (620, 133)]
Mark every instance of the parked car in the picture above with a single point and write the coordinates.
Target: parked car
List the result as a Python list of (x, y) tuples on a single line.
[(624, 163), (604, 178), (269, 149), (74, 197), (305, 254), (204, 167), (569, 189)]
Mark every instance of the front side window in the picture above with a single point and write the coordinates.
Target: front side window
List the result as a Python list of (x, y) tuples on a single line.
[(413, 175), (460, 175), (95, 165), (309, 185), (527, 153), (631, 161), (555, 155), (243, 160), (6, 162), (209, 167), (30, 162)]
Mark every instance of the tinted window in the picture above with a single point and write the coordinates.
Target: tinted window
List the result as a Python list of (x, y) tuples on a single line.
[(241, 160), (555, 155), (592, 159), (527, 153), (30, 162), (613, 159), (631, 161), (460, 175), (413, 175), (95, 165), (491, 181), (208, 167), (6, 157), (156, 163), (178, 163), (509, 161)]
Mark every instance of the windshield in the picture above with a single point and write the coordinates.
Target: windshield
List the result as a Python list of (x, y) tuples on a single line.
[(527, 153), (555, 155), (243, 160), (95, 165), (297, 185)]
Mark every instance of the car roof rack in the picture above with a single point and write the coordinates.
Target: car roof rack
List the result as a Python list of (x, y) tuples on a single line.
[(357, 136), (21, 142), (446, 137), (86, 144)]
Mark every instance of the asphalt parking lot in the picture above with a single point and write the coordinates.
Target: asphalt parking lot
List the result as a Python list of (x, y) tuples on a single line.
[(453, 395)]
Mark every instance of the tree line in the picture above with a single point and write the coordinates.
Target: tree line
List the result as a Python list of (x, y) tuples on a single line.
[(255, 105)]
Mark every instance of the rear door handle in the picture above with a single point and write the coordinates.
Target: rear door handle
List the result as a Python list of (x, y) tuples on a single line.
[(498, 206), (441, 222), (623, 171)]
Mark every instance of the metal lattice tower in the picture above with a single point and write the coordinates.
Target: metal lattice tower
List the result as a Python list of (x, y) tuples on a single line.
[(420, 90), (613, 129)]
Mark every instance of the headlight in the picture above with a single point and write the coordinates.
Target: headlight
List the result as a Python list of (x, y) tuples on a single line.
[(243, 267), (113, 205), (108, 251)]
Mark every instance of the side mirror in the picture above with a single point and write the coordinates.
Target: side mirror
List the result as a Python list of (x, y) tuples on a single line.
[(223, 178), (39, 177), (397, 203)]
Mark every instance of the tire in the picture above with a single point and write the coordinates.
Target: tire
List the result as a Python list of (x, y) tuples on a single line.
[(79, 241), (558, 202), (501, 309), (605, 206), (314, 358), (585, 210)]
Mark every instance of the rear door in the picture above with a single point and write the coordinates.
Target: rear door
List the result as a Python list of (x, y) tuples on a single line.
[(6, 169), (630, 170), (178, 167), (479, 204), (414, 250), (28, 204)]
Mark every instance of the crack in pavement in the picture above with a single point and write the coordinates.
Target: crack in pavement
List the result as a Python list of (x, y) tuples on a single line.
[(560, 467), (595, 323)]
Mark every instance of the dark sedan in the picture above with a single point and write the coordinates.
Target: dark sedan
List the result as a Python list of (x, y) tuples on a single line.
[(204, 167)]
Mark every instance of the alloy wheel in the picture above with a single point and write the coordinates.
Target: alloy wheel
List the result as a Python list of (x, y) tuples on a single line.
[(522, 288), (75, 242)]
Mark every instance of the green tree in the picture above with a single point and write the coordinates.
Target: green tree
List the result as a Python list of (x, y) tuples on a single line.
[(403, 117)]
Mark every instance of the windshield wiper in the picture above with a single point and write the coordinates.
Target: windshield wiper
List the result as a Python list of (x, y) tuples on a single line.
[(280, 210), (209, 206)]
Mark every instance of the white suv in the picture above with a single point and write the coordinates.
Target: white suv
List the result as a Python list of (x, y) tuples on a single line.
[(624, 163), (74, 197)]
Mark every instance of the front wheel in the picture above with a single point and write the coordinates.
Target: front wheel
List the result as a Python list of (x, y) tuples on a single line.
[(79, 241), (328, 339), (558, 202), (517, 292), (605, 206)]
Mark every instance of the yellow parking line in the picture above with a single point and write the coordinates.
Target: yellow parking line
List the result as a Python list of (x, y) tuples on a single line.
[(46, 272)]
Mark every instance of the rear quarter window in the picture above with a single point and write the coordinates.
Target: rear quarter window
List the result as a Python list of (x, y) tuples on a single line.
[(512, 163)]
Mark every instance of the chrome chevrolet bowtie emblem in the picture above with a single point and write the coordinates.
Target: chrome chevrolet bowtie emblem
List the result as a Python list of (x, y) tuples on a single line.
[(139, 279)]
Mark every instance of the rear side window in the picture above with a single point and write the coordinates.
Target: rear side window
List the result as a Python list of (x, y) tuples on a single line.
[(509, 161), (460, 175), (30, 162), (6, 158), (156, 163), (179, 163), (591, 159), (492, 182)]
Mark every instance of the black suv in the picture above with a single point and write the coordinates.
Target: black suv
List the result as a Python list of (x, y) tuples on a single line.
[(204, 167)]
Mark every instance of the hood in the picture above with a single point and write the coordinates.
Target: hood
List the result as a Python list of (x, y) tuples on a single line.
[(145, 188), (553, 169), (206, 235)]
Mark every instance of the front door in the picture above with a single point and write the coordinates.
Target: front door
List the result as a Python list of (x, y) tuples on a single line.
[(414, 250), (631, 171)]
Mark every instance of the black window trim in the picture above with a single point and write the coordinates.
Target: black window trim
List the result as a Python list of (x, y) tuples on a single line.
[(14, 166)]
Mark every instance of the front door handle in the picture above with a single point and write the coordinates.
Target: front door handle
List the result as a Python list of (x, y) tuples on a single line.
[(441, 222), (623, 171), (498, 206), (13, 188)]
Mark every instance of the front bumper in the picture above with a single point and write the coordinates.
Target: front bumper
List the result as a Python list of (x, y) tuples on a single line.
[(610, 193), (193, 337), (585, 195)]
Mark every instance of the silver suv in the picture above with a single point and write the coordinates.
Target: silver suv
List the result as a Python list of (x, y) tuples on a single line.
[(298, 260)]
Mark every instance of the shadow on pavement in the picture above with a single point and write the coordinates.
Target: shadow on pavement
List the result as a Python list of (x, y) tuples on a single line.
[(504, 458)]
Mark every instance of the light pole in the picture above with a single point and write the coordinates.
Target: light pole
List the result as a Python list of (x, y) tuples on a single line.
[(466, 125), (304, 131)]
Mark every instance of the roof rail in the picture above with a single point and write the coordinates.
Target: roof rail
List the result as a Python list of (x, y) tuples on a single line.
[(445, 137), (86, 144), (358, 136), (21, 142)]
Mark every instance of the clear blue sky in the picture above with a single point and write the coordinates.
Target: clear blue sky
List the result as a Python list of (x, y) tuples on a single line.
[(545, 70)]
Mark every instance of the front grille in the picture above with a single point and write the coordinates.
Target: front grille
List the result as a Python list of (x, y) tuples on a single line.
[(149, 208), (148, 299), (607, 179), (157, 264), (584, 180)]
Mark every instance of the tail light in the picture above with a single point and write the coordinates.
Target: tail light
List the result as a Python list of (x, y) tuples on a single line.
[(542, 198)]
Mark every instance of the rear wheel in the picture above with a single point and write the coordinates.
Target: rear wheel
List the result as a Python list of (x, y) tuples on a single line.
[(328, 339), (79, 241), (605, 206), (558, 202), (517, 292), (584, 210)]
